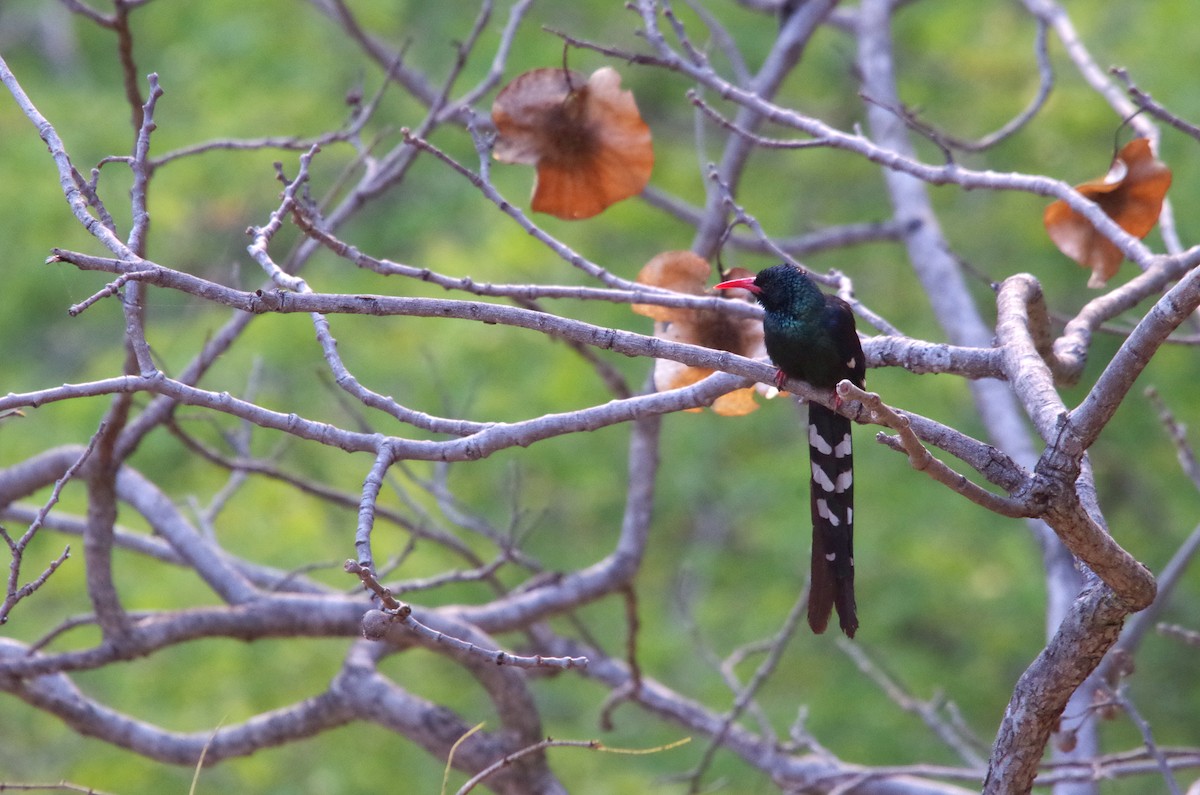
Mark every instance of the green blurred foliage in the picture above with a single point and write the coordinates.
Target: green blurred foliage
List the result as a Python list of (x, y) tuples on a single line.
[(950, 596)]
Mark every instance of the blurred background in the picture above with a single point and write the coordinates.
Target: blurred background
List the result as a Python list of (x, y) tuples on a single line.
[(951, 597)]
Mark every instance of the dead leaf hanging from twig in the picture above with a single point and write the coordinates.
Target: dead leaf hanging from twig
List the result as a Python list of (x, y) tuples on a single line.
[(686, 272), (1131, 193), (585, 136)]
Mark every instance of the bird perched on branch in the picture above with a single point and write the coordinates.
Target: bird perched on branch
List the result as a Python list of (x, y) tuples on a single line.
[(811, 336)]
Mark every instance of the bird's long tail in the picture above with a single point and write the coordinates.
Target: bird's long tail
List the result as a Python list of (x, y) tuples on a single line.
[(831, 454)]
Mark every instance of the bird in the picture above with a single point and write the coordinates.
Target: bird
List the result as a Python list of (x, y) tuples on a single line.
[(811, 336)]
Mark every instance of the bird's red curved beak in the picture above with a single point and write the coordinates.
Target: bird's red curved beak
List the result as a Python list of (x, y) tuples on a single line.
[(740, 284)]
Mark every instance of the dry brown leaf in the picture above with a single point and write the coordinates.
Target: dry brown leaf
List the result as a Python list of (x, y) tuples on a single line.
[(685, 272), (670, 374), (586, 137), (681, 271), (1131, 193), (737, 403)]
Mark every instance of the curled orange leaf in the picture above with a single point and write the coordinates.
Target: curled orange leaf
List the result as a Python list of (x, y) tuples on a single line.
[(585, 136), (681, 271), (1131, 193), (685, 272)]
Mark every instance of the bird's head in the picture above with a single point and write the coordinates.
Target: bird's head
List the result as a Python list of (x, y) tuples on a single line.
[(778, 288)]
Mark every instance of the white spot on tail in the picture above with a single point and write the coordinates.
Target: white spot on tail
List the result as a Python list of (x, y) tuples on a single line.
[(852, 362), (817, 441), (831, 556), (849, 516), (826, 514), (844, 481), (844, 448), (820, 478)]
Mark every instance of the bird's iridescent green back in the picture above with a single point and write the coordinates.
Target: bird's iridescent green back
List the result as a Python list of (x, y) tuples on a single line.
[(809, 335)]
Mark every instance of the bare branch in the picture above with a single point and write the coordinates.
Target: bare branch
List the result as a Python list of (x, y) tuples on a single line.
[(506, 594), (1146, 102), (927, 711), (921, 460)]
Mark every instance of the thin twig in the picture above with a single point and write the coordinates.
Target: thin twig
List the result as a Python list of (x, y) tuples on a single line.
[(923, 461), (928, 711), (398, 612), (17, 547)]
